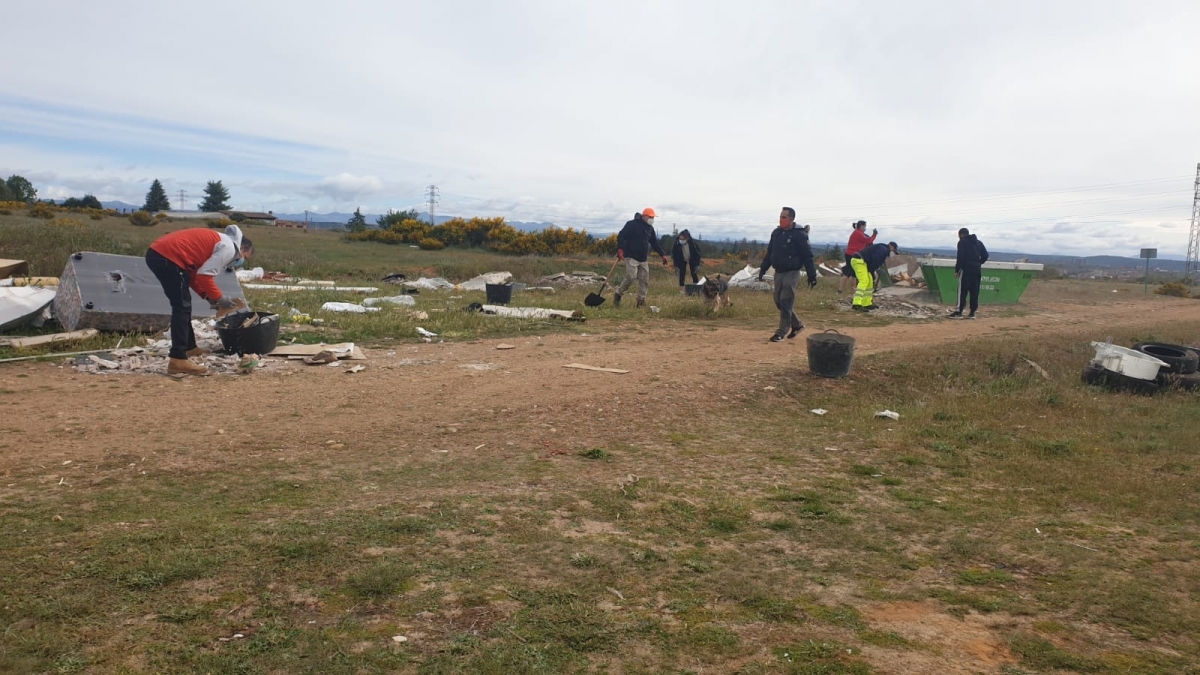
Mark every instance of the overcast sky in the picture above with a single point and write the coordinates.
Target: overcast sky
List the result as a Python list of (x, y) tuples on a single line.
[(1047, 127)]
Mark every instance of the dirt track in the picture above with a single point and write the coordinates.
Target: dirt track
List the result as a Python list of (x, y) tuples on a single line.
[(434, 394)]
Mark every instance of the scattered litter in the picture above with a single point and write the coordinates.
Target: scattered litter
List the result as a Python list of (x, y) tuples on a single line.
[(654, 309), (505, 346), (418, 315), (333, 364), (357, 369), (321, 358), (310, 286), (236, 636), (394, 278), (399, 639), (427, 284), (888, 414), (343, 350), (480, 282), (1041, 371), (73, 336), (582, 366), (480, 446), (747, 277), (424, 333), (394, 299), (347, 307), (530, 312), (250, 275), (20, 306), (615, 592), (104, 363), (248, 363), (768, 388), (479, 366), (571, 280), (818, 411)]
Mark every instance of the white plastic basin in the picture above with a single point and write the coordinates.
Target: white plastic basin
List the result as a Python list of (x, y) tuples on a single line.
[(1127, 361)]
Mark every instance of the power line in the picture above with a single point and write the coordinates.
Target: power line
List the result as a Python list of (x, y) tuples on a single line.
[(1192, 265), (431, 195), (182, 197)]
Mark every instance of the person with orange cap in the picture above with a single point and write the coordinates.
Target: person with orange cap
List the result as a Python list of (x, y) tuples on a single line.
[(187, 260), (634, 243)]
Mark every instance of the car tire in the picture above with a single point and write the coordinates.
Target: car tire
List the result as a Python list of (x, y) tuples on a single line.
[(1179, 359), (1102, 377)]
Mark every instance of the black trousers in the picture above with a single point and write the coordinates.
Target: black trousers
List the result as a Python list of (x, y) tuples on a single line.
[(968, 285), (174, 281), (683, 270)]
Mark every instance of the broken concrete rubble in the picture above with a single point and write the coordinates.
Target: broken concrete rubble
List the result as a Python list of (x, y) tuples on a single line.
[(569, 280)]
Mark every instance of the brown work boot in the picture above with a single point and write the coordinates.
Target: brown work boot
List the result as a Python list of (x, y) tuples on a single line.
[(185, 367), (198, 351)]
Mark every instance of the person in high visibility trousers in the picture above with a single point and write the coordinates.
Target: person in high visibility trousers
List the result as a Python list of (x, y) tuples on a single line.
[(858, 241), (866, 264), (187, 260)]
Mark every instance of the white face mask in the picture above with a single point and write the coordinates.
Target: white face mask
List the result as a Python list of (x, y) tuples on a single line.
[(649, 221), (683, 241)]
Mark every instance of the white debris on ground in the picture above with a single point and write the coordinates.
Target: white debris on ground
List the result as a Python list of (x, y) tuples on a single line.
[(143, 361), (570, 280), (427, 284), (393, 299), (347, 307), (748, 278), (902, 303), (480, 282)]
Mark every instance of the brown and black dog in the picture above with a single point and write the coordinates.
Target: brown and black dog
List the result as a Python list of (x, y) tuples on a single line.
[(716, 294)]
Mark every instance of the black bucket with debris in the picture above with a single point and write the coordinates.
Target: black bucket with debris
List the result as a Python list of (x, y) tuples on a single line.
[(830, 353), (499, 294), (249, 333)]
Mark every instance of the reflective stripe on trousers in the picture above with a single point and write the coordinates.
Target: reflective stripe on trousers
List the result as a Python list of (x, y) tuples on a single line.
[(864, 294)]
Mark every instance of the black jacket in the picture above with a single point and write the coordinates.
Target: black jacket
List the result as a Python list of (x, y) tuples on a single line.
[(693, 260), (637, 238), (971, 253), (789, 251), (874, 255)]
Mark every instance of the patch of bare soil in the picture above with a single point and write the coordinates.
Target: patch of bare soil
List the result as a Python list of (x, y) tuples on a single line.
[(943, 643)]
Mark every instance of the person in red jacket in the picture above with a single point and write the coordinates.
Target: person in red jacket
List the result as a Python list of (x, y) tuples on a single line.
[(858, 241), (187, 260)]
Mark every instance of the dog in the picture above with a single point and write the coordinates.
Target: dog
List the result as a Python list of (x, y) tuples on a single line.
[(716, 294)]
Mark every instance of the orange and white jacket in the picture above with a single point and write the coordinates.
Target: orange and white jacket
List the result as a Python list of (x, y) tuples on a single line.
[(203, 254)]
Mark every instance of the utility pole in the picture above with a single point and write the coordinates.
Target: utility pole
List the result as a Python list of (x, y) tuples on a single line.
[(182, 196), (1192, 267), (431, 195)]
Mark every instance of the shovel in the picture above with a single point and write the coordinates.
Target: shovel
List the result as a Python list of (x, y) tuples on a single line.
[(596, 299)]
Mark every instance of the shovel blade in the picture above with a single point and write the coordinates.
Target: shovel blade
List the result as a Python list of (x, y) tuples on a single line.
[(594, 300)]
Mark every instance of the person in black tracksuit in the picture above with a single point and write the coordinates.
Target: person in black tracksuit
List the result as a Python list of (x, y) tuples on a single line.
[(634, 243), (968, 268), (787, 252), (686, 256)]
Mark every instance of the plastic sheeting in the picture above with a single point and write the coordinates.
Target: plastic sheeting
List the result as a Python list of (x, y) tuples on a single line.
[(748, 278), (406, 300), (347, 307), (23, 304), (480, 282), (250, 275)]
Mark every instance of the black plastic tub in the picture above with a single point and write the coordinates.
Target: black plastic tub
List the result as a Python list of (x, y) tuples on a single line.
[(499, 294), (830, 353), (261, 338), (693, 289)]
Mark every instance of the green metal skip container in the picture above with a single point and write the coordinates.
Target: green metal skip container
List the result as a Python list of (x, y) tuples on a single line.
[(1002, 283)]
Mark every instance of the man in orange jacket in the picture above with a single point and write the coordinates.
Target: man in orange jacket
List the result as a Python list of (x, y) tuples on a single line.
[(187, 260)]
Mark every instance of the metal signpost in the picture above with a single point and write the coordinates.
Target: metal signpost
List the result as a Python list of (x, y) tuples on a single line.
[(1148, 253)]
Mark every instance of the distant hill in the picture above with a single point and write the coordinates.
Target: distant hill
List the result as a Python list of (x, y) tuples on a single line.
[(337, 219), (120, 206)]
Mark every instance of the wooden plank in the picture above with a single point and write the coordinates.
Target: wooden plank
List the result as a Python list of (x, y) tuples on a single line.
[(355, 354), (583, 366), (36, 340)]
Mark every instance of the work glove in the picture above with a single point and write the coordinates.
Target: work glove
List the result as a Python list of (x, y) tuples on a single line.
[(227, 305), (620, 254)]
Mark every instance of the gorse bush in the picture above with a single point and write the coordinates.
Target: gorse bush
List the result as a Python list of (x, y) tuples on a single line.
[(142, 219), (491, 234), (42, 210), (1175, 288)]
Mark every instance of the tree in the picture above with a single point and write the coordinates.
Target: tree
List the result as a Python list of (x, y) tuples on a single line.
[(396, 217), (89, 201), (357, 222), (156, 198), (215, 197), (5, 195), (20, 189)]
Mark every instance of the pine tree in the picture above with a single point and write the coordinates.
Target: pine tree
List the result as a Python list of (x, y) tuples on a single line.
[(215, 197), (358, 222), (156, 198)]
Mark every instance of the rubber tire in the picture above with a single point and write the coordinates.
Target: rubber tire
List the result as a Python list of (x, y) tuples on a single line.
[(1185, 382), (1103, 377), (1183, 362)]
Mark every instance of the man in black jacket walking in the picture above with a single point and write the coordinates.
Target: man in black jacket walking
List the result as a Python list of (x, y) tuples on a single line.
[(634, 243), (787, 252), (968, 268)]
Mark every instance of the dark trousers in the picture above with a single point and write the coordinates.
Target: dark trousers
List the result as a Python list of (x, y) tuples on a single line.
[(683, 270), (174, 282), (968, 285)]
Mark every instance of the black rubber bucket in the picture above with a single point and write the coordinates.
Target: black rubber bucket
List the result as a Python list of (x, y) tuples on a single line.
[(260, 338), (499, 294), (693, 289), (830, 353)]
